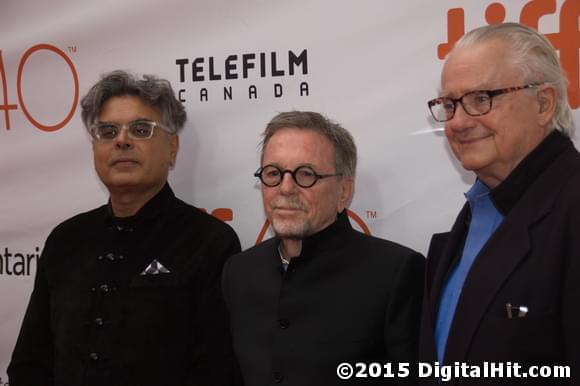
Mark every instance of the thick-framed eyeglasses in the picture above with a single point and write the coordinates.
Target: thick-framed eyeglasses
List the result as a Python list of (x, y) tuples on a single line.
[(139, 129), (474, 103), (304, 176)]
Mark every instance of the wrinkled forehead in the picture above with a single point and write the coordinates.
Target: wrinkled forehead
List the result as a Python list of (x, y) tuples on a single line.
[(478, 66), (299, 146), (125, 108), (300, 135)]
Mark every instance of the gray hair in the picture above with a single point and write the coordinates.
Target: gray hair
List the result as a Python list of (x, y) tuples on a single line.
[(344, 148), (535, 56), (152, 90)]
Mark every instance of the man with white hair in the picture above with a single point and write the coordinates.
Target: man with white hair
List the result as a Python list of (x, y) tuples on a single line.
[(504, 284)]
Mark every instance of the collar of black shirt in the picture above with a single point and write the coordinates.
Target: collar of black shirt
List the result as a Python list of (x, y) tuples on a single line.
[(506, 195), (328, 238), (151, 210)]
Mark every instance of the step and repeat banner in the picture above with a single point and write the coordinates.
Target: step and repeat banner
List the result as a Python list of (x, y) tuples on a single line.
[(368, 64)]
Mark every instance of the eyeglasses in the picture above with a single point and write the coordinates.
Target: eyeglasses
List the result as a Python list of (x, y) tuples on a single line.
[(474, 103), (139, 129), (304, 176)]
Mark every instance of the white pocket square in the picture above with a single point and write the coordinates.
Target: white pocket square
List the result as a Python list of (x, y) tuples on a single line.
[(155, 268)]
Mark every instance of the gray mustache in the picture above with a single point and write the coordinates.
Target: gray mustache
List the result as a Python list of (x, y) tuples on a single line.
[(288, 204)]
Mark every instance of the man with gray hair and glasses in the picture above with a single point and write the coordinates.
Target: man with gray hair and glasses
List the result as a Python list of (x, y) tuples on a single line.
[(319, 294), (128, 294), (503, 285)]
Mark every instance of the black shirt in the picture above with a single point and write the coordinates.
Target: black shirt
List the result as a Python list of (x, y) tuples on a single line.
[(99, 315), (347, 297)]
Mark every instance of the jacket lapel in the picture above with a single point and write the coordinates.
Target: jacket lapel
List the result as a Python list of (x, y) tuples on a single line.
[(492, 267), (443, 250)]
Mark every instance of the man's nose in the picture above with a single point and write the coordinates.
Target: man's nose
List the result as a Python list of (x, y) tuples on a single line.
[(122, 141), (460, 121), (288, 185)]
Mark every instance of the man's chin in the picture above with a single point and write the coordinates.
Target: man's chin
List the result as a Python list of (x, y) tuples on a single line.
[(473, 162), (119, 183), (290, 231)]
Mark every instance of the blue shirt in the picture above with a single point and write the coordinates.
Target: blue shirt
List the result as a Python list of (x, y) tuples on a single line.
[(485, 219)]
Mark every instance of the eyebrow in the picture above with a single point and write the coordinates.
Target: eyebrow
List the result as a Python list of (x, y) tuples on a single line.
[(133, 120), (296, 167), (480, 87)]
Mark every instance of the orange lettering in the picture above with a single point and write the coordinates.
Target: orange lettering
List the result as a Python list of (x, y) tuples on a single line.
[(224, 214), (568, 42), (534, 10), (495, 14), (359, 221), (6, 107), (455, 30), (23, 60)]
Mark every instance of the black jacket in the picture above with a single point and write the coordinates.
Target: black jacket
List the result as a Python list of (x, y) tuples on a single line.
[(348, 297), (532, 260), (96, 318)]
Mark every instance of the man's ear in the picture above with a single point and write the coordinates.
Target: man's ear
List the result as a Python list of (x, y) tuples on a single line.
[(346, 193), (174, 149), (547, 97)]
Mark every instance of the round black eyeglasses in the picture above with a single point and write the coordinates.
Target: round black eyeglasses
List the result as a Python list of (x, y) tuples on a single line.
[(304, 176)]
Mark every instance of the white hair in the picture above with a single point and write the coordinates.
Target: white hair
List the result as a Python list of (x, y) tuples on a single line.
[(535, 56)]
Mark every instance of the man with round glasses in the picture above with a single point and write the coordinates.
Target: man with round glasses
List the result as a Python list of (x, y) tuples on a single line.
[(319, 293), (128, 294), (503, 285)]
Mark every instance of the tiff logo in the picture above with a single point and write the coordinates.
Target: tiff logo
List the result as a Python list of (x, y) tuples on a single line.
[(567, 40)]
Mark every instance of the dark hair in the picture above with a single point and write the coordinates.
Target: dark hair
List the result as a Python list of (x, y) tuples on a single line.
[(150, 89)]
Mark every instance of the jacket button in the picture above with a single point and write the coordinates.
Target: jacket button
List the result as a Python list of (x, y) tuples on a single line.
[(99, 322), (284, 323), (278, 378), (94, 356)]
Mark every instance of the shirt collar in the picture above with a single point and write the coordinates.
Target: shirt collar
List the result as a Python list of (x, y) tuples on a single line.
[(326, 238), (284, 262), (478, 191), (153, 208), (506, 195)]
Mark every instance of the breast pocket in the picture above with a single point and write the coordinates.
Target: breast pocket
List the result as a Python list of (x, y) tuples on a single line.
[(155, 298), (532, 336), (159, 280)]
